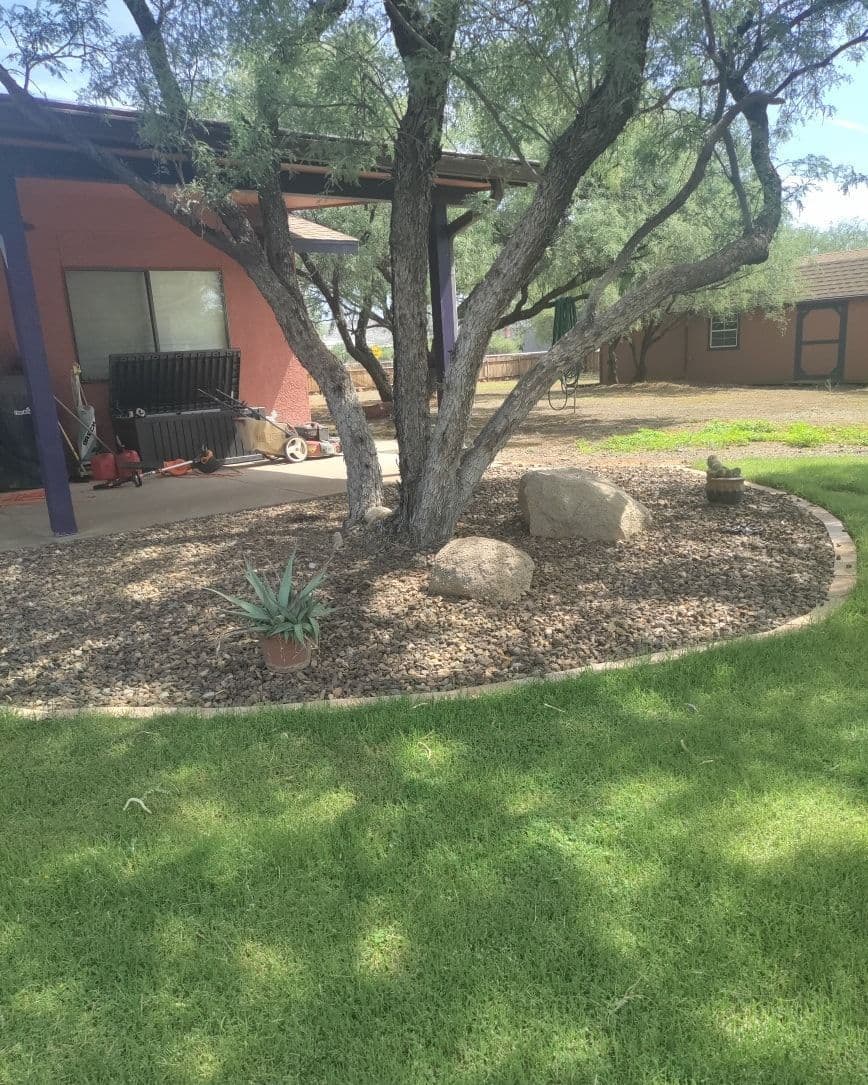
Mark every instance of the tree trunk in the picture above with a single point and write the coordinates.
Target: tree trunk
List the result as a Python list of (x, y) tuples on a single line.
[(364, 477), (611, 363), (411, 211), (640, 361), (359, 349), (371, 365)]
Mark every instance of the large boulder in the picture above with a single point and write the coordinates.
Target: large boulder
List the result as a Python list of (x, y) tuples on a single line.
[(567, 503), (478, 568)]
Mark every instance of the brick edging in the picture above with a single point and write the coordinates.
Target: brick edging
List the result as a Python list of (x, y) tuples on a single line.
[(841, 587)]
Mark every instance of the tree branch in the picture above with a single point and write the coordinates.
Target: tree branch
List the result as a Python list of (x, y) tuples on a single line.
[(151, 34), (733, 175), (595, 328), (722, 122)]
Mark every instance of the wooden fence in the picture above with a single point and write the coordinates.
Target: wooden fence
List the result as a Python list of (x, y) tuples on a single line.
[(496, 367)]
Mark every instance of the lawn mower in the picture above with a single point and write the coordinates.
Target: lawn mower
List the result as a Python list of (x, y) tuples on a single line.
[(273, 440)]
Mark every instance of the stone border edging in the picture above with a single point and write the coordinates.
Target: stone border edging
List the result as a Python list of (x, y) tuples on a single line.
[(841, 587)]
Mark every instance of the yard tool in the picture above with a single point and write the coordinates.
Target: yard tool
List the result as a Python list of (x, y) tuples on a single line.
[(86, 437), (97, 440), (272, 439), (128, 468), (80, 468)]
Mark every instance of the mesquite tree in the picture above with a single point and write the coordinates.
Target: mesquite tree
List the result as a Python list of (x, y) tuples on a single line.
[(562, 84), (606, 207)]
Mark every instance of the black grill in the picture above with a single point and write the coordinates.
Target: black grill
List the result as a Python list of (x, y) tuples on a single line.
[(19, 461)]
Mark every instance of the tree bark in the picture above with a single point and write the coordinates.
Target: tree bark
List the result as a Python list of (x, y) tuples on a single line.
[(597, 124), (280, 286), (425, 46), (611, 363)]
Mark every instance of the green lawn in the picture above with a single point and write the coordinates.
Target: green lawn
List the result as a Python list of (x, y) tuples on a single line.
[(718, 435), (655, 875)]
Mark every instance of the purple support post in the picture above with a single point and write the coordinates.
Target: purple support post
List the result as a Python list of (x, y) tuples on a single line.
[(28, 332), (444, 301)]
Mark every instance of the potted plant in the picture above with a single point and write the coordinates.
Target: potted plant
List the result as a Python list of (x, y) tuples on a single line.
[(723, 485), (286, 619)]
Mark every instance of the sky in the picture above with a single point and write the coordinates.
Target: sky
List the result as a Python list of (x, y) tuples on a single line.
[(842, 138)]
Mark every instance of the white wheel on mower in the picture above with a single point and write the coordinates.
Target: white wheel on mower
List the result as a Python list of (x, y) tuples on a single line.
[(295, 450)]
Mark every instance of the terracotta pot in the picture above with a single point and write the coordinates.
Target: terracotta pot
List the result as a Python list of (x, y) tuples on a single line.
[(284, 656), (724, 491)]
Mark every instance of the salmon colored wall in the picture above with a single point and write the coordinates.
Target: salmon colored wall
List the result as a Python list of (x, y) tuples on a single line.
[(766, 353), (83, 224)]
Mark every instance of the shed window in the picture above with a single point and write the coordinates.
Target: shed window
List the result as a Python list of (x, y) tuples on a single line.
[(120, 312), (723, 333)]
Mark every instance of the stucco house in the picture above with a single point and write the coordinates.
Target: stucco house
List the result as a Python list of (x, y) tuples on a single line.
[(88, 269), (823, 336)]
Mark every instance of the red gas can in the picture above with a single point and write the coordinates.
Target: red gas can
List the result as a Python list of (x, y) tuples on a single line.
[(103, 467), (115, 466), (129, 463)]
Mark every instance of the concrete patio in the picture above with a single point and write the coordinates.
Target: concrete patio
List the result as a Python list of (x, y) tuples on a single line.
[(168, 500)]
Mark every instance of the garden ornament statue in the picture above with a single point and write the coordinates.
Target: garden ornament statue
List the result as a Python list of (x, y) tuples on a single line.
[(723, 485)]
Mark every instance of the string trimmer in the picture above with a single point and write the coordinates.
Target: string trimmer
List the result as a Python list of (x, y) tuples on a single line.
[(127, 468)]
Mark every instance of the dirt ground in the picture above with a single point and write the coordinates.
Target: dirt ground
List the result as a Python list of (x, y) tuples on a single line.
[(600, 411)]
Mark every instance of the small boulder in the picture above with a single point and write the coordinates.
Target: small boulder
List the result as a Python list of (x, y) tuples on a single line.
[(376, 514), (479, 568), (567, 503)]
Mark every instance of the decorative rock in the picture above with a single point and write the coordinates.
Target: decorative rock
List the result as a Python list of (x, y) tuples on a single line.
[(376, 514), (479, 568), (567, 503)]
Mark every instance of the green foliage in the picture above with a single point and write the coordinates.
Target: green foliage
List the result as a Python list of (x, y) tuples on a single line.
[(839, 237), (500, 343), (286, 611), (640, 876), (733, 435)]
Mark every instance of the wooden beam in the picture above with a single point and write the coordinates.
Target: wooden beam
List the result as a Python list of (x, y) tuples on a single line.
[(444, 301)]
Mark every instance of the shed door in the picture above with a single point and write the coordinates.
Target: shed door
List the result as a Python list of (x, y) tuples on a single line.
[(821, 340)]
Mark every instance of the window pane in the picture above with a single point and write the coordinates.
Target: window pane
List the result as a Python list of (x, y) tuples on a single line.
[(110, 315), (188, 308), (723, 332)]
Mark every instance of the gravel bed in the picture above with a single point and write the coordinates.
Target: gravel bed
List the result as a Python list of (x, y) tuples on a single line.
[(125, 620)]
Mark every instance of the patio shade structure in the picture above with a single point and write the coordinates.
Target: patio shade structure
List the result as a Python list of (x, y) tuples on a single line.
[(307, 181)]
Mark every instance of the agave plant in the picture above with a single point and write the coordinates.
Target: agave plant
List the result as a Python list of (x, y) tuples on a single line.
[(288, 612)]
